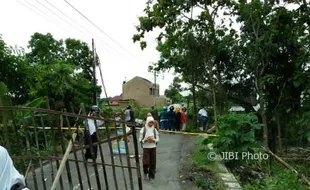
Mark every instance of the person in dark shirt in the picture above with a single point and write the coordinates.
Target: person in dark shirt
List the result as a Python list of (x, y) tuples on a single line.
[(90, 134), (163, 118), (171, 119), (155, 114)]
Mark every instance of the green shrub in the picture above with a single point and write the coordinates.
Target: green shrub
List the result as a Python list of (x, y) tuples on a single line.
[(237, 133), (303, 129)]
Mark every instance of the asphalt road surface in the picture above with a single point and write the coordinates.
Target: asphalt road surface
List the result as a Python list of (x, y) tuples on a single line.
[(169, 154)]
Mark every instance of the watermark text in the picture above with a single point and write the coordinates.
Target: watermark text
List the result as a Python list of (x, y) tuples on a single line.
[(237, 156)]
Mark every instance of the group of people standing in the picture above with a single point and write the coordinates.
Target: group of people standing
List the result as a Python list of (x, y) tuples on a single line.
[(173, 120)]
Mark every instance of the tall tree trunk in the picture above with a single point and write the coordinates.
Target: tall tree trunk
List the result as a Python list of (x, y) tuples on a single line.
[(214, 107), (279, 133), (264, 119), (262, 103), (195, 105)]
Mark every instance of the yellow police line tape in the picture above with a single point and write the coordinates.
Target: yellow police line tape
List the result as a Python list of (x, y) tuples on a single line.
[(112, 127)]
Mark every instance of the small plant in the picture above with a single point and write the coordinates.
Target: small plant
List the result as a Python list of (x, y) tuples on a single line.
[(208, 183), (199, 157)]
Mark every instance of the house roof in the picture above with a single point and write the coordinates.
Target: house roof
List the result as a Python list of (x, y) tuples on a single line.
[(145, 80), (140, 78), (115, 98)]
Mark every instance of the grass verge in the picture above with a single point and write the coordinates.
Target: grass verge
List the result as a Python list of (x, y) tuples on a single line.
[(265, 175), (201, 171)]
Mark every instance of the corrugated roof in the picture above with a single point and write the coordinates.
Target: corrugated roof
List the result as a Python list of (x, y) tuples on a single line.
[(115, 98)]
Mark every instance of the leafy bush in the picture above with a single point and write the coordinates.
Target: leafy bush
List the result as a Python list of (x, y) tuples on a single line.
[(140, 112), (107, 112), (237, 132)]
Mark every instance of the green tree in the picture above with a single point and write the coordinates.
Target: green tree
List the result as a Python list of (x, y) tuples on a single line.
[(44, 49), (187, 43), (266, 62), (174, 91), (79, 54), (58, 69), (14, 72)]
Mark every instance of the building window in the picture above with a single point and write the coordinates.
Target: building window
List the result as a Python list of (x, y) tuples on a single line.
[(151, 91)]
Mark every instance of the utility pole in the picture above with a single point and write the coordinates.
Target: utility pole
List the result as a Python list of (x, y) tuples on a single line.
[(94, 74), (155, 89)]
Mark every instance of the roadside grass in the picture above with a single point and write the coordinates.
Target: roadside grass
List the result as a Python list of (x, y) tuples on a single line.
[(278, 179), (205, 172), (268, 175)]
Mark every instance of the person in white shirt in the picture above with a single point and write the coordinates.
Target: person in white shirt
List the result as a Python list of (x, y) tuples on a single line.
[(203, 117), (10, 178), (149, 138), (92, 132)]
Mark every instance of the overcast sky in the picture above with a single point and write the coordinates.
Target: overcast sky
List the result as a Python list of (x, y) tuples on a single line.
[(19, 19)]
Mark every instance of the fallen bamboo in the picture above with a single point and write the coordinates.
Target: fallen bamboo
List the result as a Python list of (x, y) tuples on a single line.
[(63, 161), (211, 130), (303, 177)]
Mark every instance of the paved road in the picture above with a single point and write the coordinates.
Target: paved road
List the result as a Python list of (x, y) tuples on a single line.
[(169, 152)]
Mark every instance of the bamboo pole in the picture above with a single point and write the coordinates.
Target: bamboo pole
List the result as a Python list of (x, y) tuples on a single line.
[(63, 161), (28, 168), (303, 177)]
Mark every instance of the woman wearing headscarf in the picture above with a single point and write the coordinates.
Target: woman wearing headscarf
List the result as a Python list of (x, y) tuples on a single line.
[(10, 178), (177, 119), (183, 118), (156, 124), (149, 138)]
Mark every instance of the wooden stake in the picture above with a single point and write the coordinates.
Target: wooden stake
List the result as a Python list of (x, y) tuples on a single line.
[(28, 168), (63, 161)]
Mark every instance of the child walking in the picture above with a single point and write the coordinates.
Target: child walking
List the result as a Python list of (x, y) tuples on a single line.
[(149, 137)]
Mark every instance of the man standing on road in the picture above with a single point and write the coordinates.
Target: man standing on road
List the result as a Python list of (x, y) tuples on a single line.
[(163, 116), (129, 117), (171, 119), (203, 117), (155, 114), (90, 135)]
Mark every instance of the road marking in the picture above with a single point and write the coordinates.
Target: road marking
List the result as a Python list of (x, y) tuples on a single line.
[(112, 127)]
